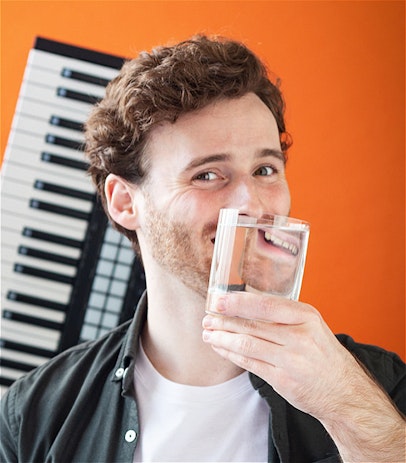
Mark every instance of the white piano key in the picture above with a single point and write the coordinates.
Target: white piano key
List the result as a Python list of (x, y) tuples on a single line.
[(11, 255), (13, 238), (37, 124), (20, 208), (11, 373), (34, 287), (44, 338), (50, 78), (28, 174), (24, 158), (23, 357), (19, 189), (33, 310), (32, 108), (48, 60), (37, 143), (49, 96), (13, 222)]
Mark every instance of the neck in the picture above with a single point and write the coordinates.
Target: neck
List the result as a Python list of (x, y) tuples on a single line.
[(172, 338)]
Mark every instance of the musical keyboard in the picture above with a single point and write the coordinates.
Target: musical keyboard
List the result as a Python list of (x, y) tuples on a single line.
[(66, 275)]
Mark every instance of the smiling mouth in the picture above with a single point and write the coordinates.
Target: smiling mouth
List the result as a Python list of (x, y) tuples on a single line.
[(281, 244)]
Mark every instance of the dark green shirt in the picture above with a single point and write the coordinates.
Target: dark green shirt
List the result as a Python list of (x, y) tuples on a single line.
[(80, 407)]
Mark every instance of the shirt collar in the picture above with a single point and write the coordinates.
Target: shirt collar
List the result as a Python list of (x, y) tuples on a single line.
[(124, 369)]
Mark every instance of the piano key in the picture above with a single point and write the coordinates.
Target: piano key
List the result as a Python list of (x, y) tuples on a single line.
[(37, 143), (21, 212), (23, 357), (28, 107), (32, 320), (54, 238), (20, 344), (20, 307), (44, 338), (47, 256), (63, 190), (82, 77), (68, 236), (66, 142), (45, 300), (36, 286), (30, 165), (53, 79), (29, 174), (54, 159), (64, 92), (48, 60), (66, 123), (60, 252), (56, 209), (39, 273), (39, 124), (32, 257), (8, 365), (50, 97), (41, 190)]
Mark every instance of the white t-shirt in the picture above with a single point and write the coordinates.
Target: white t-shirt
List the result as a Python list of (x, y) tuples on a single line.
[(225, 422)]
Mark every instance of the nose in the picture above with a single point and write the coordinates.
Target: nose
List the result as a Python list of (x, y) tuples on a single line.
[(247, 199)]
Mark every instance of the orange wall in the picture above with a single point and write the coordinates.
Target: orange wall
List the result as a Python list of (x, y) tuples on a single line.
[(342, 67)]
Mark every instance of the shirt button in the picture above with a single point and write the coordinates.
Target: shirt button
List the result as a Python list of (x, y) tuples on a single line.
[(119, 372), (130, 435)]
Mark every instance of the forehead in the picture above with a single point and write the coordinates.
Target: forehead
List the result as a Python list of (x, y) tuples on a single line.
[(233, 126)]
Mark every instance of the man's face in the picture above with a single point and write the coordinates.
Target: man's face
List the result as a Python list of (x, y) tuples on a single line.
[(226, 155)]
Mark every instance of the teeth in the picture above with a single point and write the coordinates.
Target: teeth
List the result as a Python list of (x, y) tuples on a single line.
[(281, 244)]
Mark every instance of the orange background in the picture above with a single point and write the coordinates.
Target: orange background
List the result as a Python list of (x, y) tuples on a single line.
[(342, 70)]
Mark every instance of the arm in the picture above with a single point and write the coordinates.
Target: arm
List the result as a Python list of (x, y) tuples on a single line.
[(289, 345)]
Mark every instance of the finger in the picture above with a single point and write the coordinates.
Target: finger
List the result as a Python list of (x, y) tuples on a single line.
[(263, 307), (272, 332), (248, 347)]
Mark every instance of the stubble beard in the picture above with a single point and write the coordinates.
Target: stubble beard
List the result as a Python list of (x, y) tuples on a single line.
[(176, 249)]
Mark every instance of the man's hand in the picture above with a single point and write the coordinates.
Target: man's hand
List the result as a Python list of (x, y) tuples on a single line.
[(289, 345)]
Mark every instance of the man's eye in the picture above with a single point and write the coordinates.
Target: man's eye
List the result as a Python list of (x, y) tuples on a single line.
[(265, 170), (206, 176)]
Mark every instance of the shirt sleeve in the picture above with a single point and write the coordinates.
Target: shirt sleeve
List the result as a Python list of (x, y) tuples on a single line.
[(9, 428)]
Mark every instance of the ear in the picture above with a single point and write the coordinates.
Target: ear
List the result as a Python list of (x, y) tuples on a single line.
[(121, 202)]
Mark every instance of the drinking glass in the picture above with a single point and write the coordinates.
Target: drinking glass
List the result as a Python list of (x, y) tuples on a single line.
[(258, 254)]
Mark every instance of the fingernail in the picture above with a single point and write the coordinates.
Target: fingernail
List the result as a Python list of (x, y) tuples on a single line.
[(206, 335), (220, 304), (207, 321)]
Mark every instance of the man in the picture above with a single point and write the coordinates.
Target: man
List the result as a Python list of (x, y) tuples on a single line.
[(182, 132)]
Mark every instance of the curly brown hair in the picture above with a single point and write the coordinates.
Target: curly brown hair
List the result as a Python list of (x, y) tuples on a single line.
[(161, 86)]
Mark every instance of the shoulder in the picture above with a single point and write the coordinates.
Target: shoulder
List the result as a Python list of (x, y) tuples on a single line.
[(68, 370)]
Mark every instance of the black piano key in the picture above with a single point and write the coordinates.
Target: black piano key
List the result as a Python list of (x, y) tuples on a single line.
[(82, 77), (6, 344), (43, 255), (70, 192), (66, 123), (56, 209), (62, 161), (78, 96), (6, 381), (37, 301), (7, 363), (65, 142), (36, 272), (34, 321), (52, 238)]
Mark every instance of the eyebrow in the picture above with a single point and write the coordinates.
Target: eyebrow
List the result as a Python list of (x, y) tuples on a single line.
[(222, 157)]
